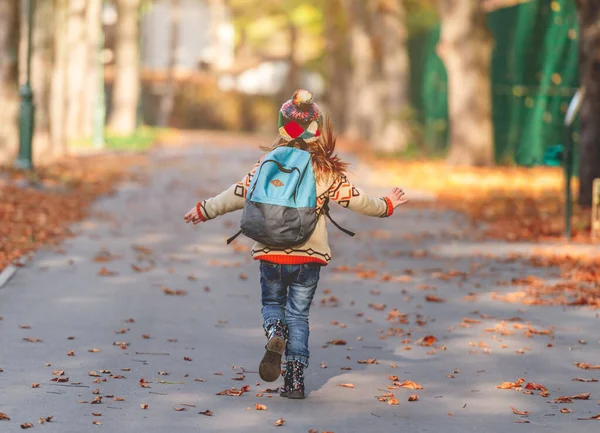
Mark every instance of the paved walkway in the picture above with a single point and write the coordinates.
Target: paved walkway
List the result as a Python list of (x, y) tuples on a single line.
[(373, 297)]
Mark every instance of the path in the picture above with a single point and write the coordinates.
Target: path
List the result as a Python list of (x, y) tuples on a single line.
[(217, 325)]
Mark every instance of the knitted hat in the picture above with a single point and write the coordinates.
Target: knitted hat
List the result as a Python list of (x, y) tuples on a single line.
[(300, 117)]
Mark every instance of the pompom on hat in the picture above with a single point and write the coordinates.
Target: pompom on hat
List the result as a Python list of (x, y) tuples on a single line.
[(300, 117)]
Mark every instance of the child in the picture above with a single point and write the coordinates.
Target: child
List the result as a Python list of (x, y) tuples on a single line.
[(289, 275)]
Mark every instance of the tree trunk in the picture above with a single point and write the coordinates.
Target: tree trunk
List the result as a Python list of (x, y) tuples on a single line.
[(93, 17), (78, 121), (9, 79), (293, 81), (363, 110), (58, 99), (393, 133), (336, 64), (465, 47), (168, 100), (589, 65), (126, 88)]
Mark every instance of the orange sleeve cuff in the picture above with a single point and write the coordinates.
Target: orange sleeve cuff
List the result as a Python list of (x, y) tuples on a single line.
[(390, 207), (199, 210)]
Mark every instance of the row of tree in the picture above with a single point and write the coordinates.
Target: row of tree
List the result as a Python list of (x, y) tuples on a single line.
[(365, 62), (366, 65), (65, 71)]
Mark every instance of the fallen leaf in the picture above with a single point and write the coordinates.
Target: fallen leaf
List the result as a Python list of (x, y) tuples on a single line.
[(96, 422), (144, 406), (260, 406), (118, 399), (377, 307), (97, 400), (179, 409), (523, 421), (279, 422), (347, 385), (586, 366), (26, 425), (24, 326), (93, 374), (94, 350), (106, 273), (413, 397), (32, 340), (71, 353), (187, 358), (450, 414), (4, 417), (368, 361), (35, 385), (243, 276), (171, 292), (59, 379), (580, 379), (595, 417), (565, 410), (206, 412), (143, 383), (570, 398), (535, 386), (393, 402), (323, 365), (518, 412), (434, 298), (337, 342), (410, 385), (163, 373), (427, 341), (145, 336), (45, 419), (511, 385)]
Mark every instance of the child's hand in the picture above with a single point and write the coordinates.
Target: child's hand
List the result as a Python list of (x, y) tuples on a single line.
[(397, 197), (192, 216)]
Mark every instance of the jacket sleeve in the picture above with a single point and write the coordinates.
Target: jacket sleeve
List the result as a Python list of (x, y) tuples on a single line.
[(352, 197), (230, 200)]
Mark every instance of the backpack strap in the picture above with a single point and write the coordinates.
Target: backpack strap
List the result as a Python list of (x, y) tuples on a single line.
[(231, 239), (326, 210)]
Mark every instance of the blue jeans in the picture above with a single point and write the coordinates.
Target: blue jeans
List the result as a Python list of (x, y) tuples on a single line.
[(287, 292)]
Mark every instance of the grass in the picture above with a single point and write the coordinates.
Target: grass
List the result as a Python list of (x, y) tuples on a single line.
[(142, 140)]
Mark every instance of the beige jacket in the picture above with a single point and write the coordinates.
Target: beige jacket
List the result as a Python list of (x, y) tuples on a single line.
[(316, 249)]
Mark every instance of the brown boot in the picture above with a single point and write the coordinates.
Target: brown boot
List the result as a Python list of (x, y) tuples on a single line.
[(270, 366)]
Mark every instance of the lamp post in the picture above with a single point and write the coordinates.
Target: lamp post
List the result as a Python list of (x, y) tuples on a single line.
[(27, 108)]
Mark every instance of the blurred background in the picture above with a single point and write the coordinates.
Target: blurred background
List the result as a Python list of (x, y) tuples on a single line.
[(472, 83)]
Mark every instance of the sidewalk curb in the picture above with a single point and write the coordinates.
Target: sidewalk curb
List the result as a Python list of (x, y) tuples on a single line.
[(7, 274)]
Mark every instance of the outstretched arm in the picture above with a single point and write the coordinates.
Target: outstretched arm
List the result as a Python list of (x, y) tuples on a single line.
[(352, 197), (230, 200)]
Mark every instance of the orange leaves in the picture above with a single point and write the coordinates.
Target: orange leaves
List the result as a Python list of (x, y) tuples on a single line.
[(518, 412), (427, 341), (511, 385), (586, 366), (279, 422), (104, 272), (413, 397), (434, 298), (235, 392), (206, 413), (171, 292), (4, 417), (569, 399), (347, 385), (410, 385), (260, 406), (337, 342)]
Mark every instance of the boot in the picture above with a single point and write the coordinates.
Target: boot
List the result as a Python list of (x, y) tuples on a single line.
[(287, 380), (270, 366), (294, 380)]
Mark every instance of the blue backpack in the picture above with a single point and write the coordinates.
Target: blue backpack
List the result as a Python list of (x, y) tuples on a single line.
[(280, 207)]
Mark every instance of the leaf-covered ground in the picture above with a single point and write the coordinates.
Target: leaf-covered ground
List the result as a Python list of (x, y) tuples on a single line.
[(37, 209), (142, 322)]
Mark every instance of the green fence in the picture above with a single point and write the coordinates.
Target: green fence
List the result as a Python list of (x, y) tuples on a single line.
[(534, 75)]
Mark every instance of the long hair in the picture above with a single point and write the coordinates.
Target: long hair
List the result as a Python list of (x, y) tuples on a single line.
[(325, 161)]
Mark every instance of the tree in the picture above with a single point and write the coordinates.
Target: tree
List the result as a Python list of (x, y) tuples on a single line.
[(126, 89), (589, 64), (167, 102), (9, 92), (378, 94), (465, 47)]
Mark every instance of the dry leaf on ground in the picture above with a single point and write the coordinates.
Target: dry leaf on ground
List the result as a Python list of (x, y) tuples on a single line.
[(279, 422), (519, 412), (347, 385), (511, 385)]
